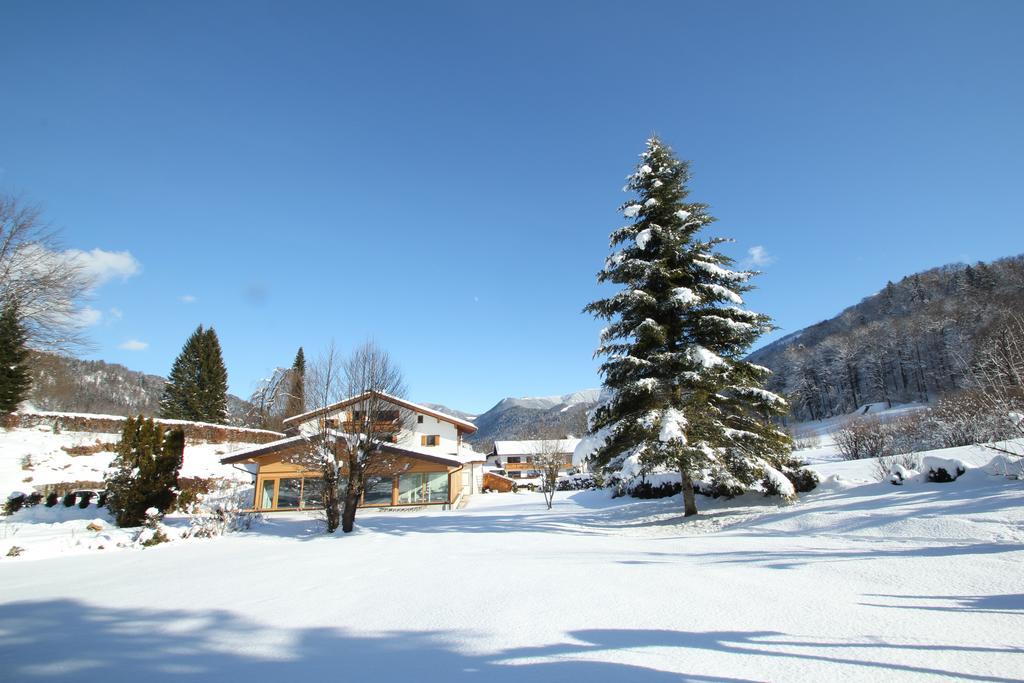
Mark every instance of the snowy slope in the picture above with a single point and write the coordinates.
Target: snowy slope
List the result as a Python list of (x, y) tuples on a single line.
[(823, 430), (33, 456), (859, 582)]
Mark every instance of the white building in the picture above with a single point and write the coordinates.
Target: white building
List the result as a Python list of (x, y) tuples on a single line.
[(517, 457)]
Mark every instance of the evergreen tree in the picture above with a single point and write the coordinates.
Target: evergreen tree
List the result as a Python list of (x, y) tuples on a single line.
[(145, 471), (15, 380), (213, 381), (197, 386), (679, 395), (297, 388)]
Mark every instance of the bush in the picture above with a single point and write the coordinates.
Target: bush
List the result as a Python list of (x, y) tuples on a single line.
[(576, 482), (884, 466), (718, 488), (219, 520), (86, 497), (862, 437), (51, 499), (14, 502), (803, 479), (70, 499), (102, 500), (145, 471), (191, 491), (806, 441), (647, 490)]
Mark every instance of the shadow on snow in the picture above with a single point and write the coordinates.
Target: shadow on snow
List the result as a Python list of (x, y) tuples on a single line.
[(61, 639)]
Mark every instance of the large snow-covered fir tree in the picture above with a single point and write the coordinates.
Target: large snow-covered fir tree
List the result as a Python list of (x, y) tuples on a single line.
[(678, 394)]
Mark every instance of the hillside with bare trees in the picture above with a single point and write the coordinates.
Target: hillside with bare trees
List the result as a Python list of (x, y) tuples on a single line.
[(912, 341)]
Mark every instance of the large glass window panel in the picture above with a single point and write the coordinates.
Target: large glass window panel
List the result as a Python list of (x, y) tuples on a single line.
[(267, 497), (412, 488), (288, 491), (437, 487), (378, 491), (312, 492)]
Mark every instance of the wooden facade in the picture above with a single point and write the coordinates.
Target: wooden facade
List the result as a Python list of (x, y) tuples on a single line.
[(282, 483)]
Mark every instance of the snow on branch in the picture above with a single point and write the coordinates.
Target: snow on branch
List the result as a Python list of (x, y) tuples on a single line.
[(718, 271), (704, 357), (686, 296), (724, 293)]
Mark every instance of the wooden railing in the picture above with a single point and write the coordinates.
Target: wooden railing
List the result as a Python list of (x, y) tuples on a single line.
[(389, 427)]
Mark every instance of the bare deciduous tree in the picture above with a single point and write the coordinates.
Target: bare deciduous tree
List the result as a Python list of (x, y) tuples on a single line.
[(549, 459), (349, 445), (998, 371), (46, 284)]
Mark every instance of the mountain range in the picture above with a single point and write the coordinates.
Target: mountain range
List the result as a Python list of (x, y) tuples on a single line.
[(907, 342)]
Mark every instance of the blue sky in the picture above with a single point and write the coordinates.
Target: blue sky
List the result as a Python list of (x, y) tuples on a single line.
[(442, 177)]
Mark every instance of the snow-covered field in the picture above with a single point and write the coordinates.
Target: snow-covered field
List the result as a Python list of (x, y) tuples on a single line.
[(857, 581), (33, 456)]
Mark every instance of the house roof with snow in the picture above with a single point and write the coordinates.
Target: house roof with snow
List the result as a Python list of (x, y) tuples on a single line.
[(462, 456), (532, 446), (461, 425)]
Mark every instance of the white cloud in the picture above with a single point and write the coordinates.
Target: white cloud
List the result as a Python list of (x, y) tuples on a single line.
[(87, 316), (116, 313), (187, 299), (758, 256), (134, 345), (101, 266)]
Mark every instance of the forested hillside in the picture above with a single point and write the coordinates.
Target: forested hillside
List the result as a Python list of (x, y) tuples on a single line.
[(69, 384), (912, 341)]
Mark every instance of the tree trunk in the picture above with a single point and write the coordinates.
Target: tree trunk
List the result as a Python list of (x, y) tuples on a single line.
[(689, 500), (332, 507), (348, 514)]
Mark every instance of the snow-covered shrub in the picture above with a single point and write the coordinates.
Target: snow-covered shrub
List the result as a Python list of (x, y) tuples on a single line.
[(14, 502), (153, 531), (775, 483), (218, 520), (577, 482), (102, 500), (803, 479), (86, 497), (647, 490), (70, 499), (941, 470), (51, 499), (720, 485), (896, 465)]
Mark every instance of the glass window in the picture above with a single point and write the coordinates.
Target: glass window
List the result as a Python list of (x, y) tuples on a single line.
[(437, 487), (288, 491), (423, 487), (411, 488), (312, 492), (267, 499), (378, 491)]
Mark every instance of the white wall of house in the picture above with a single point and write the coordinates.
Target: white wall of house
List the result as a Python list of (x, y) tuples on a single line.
[(414, 427)]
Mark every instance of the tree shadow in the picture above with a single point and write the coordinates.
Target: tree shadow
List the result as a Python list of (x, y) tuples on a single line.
[(1012, 603), (64, 639)]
